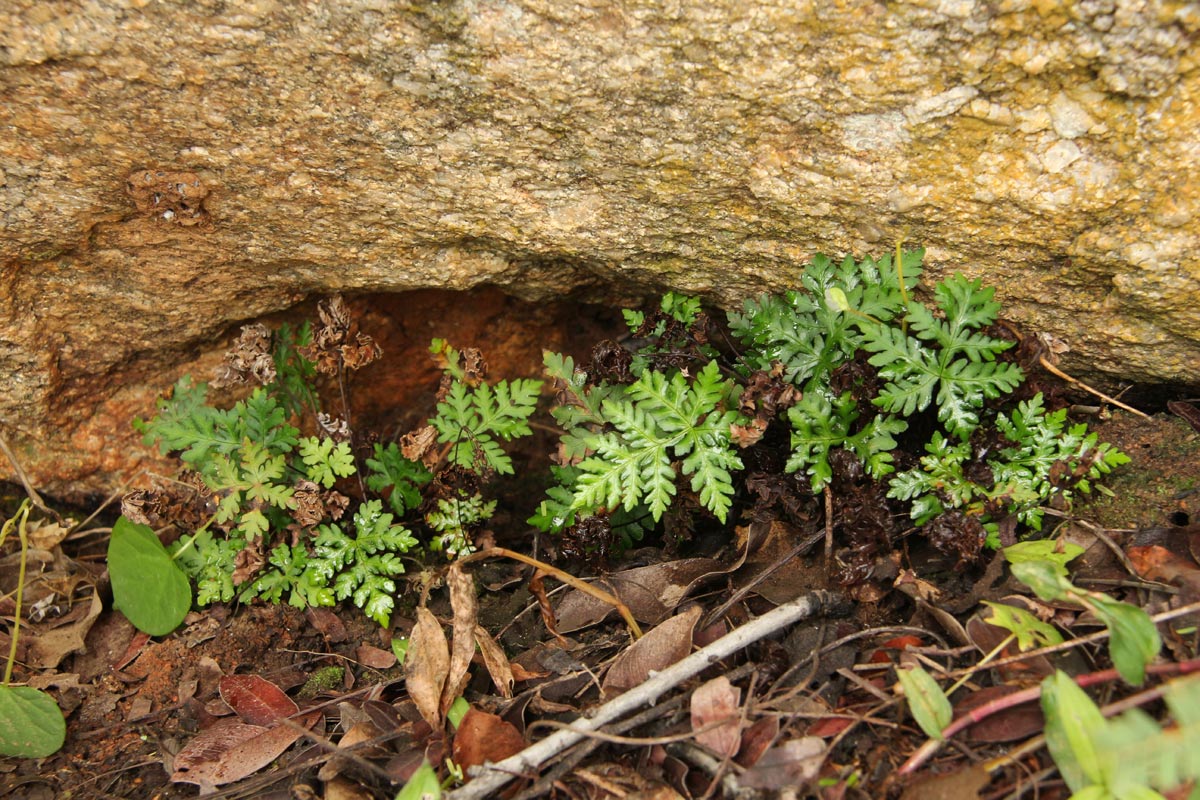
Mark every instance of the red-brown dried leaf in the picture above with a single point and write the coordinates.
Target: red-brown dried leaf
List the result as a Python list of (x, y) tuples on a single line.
[(485, 737), (757, 739), (374, 657), (1006, 725), (256, 700), (231, 750), (717, 702)]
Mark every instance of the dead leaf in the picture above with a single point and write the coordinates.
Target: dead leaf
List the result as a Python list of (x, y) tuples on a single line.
[(328, 624), (46, 534), (48, 648), (485, 737), (717, 701), (661, 647), (231, 750), (757, 739), (426, 666), (374, 657), (651, 593), (1008, 725), (962, 784), (256, 700), (791, 763), (496, 662), (466, 619)]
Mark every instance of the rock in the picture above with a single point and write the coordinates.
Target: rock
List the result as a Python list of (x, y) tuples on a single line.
[(170, 171)]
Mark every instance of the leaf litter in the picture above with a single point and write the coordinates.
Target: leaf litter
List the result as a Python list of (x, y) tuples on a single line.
[(809, 705)]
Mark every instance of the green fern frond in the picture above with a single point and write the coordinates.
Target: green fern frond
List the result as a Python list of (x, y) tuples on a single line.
[(209, 561), (288, 574), (471, 419), (326, 460), (362, 566), (454, 519), (662, 418), (819, 425), (400, 477), (946, 356)]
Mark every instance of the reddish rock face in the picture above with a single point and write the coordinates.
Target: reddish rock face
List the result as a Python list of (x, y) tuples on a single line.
[(389, 397)]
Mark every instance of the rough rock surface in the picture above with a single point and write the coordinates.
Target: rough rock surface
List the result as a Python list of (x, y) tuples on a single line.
[(168, 170)]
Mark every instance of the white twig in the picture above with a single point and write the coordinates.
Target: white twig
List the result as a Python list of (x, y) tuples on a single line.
[(489, 778)]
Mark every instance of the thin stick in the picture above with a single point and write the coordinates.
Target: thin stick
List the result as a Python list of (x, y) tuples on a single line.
[(1046, 365), (24, 479), (490, 778)]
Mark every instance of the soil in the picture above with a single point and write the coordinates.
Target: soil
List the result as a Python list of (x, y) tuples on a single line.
[(132, 703)]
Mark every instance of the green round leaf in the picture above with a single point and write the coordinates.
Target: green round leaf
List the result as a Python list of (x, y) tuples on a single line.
[(31, 723), (423, 785), (148, 587)]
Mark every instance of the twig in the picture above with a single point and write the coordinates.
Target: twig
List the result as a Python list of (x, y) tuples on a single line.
[(1046, 365), (24, 479), (489, 778)]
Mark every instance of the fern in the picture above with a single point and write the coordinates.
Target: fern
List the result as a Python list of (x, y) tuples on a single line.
[(1024, 473), (659, 420), (819, 426), (325, 460), (289, 574), (295, 375), (362, 566), (807, 333), (202, 433), (948, 357), (247, 487), (209, 560), (453, 520), (399, 477), (471, 419)]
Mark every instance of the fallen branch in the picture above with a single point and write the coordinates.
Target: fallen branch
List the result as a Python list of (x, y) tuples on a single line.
[(490, 778)]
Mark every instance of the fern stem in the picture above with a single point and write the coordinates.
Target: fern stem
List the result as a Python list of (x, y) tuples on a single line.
[(566, 578)]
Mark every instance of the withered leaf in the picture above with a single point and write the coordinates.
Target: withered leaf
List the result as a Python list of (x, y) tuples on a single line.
[(716, 703), (466, 619), (255, 699), (496, 662), (426, 667), (661, 647), (485, 737)]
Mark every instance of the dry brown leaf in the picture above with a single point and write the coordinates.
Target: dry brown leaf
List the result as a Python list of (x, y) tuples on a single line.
[(328, 624), (256, 700), (496, 662), (48, 648), (651, 593), (661, 647), (230, 750), (717, 701), (466, 619), (485, 737), (426, 667), (757, 739), (374, 657), (795, 762)]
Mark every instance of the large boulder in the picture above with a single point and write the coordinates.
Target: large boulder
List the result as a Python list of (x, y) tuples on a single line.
[(169, 170)]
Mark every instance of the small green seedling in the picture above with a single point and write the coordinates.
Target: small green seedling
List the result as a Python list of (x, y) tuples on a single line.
[(31, 723)]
